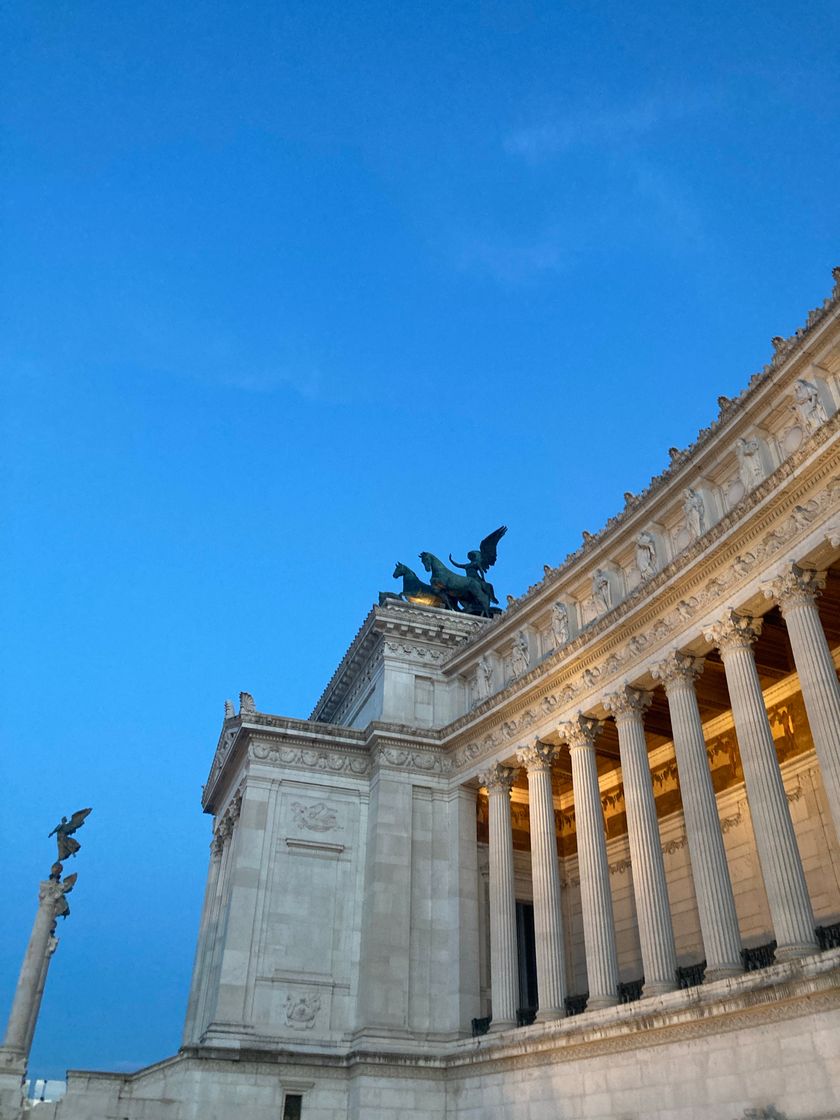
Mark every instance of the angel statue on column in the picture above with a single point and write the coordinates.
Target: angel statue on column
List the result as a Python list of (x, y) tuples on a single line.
[(62, 832)]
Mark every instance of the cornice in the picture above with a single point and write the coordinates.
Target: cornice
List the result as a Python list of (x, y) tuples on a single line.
[(398, 627), (686, 466), (620, 643)]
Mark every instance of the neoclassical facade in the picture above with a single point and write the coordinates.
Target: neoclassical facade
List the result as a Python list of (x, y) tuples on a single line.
[(577, 861)]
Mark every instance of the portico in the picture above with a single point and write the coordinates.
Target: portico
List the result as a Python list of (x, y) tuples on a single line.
[(790, 919)]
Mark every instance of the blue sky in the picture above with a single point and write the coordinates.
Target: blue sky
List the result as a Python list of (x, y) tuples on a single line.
[(291, 291)]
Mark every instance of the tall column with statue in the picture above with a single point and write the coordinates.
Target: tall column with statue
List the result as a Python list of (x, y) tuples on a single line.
[(52, 905)]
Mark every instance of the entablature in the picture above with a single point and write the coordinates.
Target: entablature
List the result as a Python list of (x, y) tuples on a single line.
[(792, 515), (716, 482)]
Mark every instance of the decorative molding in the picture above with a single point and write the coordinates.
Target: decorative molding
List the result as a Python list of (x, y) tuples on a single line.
[(314, 845), (795, 587), (628, 704), (734, 631), (714, 591), (318, 816), (306, 758), (538, 756), (417, 653), (498, 778), (677, 670), (408, 759), (301, 1011)]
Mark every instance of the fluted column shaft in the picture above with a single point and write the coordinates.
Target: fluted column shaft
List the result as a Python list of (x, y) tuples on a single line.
[(595, 894), (775, 840), (545, 878), (653, 912), (503, 956), (796, 591), (710, 871), (30, 985)]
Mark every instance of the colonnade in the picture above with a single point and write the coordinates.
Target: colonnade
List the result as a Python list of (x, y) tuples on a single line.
[(734, 635)]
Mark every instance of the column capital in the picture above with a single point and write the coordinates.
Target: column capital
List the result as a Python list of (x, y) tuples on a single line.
[(733, 631), (498, 778), (536, 756), (50, 890), (795, 586), (628, 703), (580, 732), (678, 670)]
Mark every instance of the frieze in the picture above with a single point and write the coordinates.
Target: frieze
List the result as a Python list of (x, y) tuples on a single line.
[(733, 821), (301, 1011), (319, 816), (419, 653), (404, 758), (686, 555), (307, 758), (740, 568), (727, 409)]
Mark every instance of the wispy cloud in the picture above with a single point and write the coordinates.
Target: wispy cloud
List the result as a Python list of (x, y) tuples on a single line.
[(511, 261), (218, 356), (600, 126)]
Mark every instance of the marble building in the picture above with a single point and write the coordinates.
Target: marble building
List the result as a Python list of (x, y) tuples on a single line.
[(580, 860)]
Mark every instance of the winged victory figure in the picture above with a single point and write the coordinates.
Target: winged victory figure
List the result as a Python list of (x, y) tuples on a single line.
[(482, 558), (62, 832)]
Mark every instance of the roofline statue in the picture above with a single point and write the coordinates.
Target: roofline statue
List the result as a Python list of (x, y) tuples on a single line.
[(470, 593)]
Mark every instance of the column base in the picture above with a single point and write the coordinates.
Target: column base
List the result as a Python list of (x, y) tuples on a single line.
[(598, 1003), (658, 988), (502, 1025), (794, 952), (550, 1014), (724, 972), (12, 1074)]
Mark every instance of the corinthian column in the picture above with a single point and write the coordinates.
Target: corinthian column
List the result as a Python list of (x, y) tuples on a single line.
[(653, 912), (775, 840), (503, 959), (712, 885), (595, 895), (545, 876), (796, 591)]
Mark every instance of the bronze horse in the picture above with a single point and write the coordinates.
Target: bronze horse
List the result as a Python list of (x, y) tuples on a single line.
[(414, 590)]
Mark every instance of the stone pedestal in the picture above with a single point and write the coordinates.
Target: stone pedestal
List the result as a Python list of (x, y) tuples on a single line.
[(12, 1075)]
